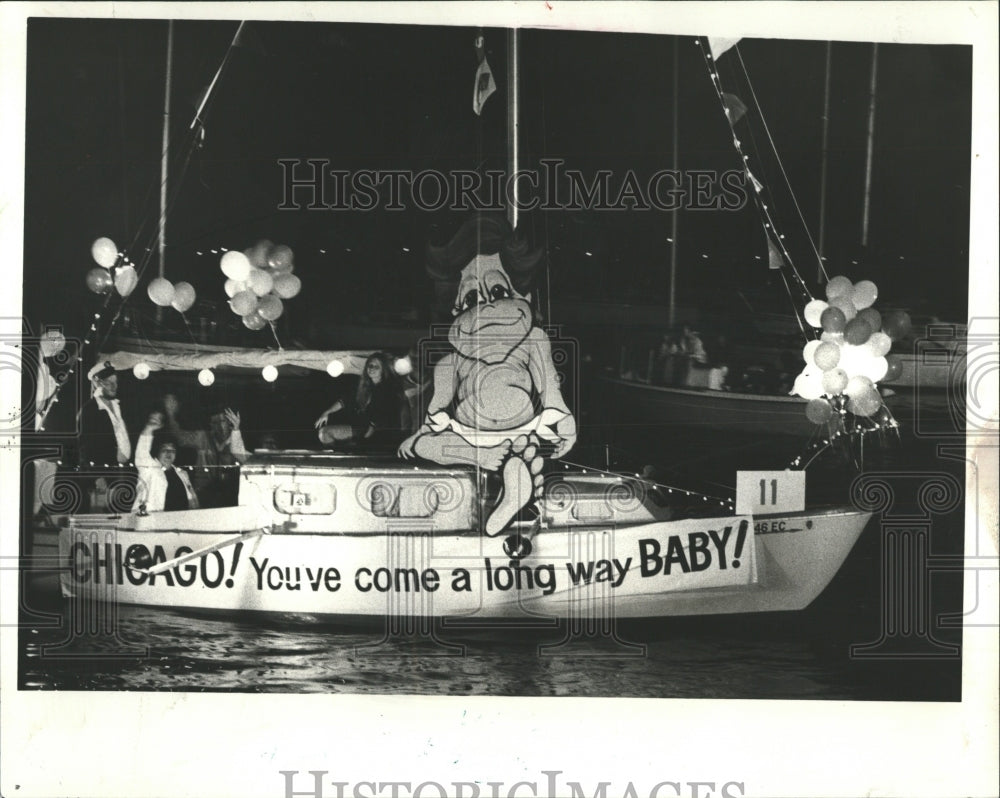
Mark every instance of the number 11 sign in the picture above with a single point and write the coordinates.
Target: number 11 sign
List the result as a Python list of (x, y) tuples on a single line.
[(763, 492)]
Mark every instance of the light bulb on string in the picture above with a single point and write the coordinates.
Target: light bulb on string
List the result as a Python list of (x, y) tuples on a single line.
[(334, 368)]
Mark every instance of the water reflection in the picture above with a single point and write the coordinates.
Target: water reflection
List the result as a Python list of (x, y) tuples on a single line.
[(719, 659)]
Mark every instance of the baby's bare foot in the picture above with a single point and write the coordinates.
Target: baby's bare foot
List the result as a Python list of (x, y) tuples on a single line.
[(516, 494)]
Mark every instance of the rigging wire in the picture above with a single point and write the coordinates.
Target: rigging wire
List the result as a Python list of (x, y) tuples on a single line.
[(762, 208), (189, 146), (781, 166)]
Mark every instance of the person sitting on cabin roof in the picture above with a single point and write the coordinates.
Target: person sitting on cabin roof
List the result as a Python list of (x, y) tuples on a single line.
[(161, 486), (375, 418)]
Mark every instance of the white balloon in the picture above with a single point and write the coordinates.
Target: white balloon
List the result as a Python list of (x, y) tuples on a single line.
[(260, 281), (233, 287), (184, 297), (814, 310), (140, 370), (287, 285), (852, 359), (235, 265), (875, 368), (402, 366), (864, 294), (808, 386), (879, 344), (206, 377), (161, 291), (834, 381), (809, 351), (269, 373), (105, 252), (126, 279), (859, 386)]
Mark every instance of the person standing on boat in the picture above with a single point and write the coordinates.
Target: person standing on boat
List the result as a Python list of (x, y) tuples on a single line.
[(376, 417), (693, 354), (216, 453), (104, 438), (162, 486), (190, 442), (693, 346), (105, 447), (664, 361), (217, 468)]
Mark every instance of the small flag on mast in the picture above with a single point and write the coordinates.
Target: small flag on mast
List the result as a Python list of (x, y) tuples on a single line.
[(485, 85), (774, 257), (734, 107), (718, 46)]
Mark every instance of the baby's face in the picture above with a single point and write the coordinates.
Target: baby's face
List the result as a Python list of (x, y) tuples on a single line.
[(490, 317)]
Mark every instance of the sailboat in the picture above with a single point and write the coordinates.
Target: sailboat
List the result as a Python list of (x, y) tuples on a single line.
[(363, 538), (662, 389)]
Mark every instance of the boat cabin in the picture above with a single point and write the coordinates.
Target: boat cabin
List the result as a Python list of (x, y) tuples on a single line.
[(303, 492)]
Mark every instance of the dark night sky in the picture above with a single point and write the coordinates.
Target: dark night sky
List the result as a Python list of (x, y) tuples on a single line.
[(368, 96)]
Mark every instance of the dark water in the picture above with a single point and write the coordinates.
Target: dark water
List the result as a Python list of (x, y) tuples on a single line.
[(778, 658), (805, 655)]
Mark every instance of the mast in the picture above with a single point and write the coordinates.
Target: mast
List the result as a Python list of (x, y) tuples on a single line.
[(822, 172), (513, 109), (871, 142), (672, 307), (164, 158)]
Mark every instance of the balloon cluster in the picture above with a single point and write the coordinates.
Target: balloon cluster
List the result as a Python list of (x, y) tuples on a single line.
[(258, 279), (114, 269), (844, 366)]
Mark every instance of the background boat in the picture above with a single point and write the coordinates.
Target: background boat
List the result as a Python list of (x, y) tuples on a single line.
[(662, 408)]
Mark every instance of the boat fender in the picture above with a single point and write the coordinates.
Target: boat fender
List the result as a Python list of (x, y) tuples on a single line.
[(517, 547)]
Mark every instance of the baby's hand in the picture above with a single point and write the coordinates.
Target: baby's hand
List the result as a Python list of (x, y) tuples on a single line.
[(566, 428)]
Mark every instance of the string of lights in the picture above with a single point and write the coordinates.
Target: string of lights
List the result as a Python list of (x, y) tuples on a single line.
[(844, 435), (62, 379), (776, 237), (669, 489), (116, 466), (300, 251)]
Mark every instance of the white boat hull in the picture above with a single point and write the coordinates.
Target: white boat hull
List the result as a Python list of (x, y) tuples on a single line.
[(784, 564)]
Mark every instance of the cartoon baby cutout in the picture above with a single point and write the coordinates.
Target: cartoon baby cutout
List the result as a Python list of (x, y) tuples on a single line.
[(496, 400)]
